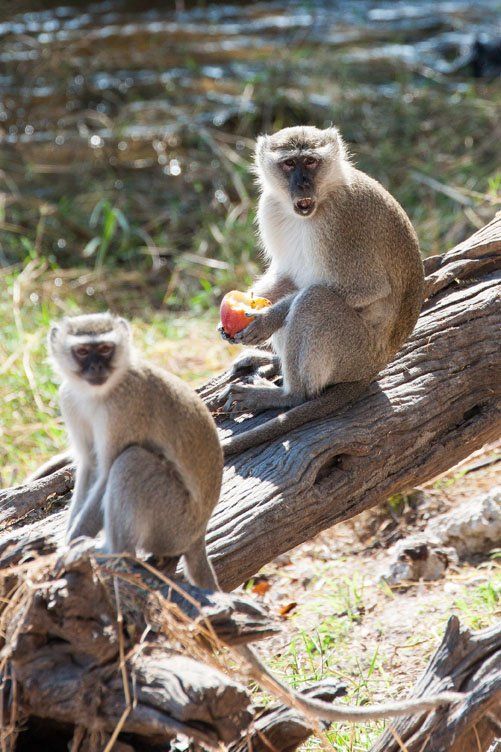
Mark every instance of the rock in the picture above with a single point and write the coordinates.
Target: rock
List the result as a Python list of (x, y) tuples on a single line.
[(417, 558), (471, 528)]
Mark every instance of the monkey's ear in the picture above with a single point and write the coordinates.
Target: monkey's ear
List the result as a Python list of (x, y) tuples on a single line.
[(337, 145), (53, 332), (124, 326), (333, 134), (261, 145)]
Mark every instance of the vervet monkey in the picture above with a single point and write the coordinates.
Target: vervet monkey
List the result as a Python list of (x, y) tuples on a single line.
[(344, 275), (149, 462), (149, 465)]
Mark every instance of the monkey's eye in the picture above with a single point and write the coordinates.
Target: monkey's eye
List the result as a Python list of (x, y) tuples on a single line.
[(311, 162), (81, 351), (288, 164), (105, 349)]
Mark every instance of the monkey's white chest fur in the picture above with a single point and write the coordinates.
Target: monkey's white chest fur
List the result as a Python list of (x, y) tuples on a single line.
[(290, 244)]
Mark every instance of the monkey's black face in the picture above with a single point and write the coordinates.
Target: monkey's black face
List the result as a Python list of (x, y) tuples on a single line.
[(95, 360), (300, 172)]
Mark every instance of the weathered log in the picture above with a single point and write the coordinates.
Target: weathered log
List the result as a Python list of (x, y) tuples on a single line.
[(437, 402), (283, 729), (63, 643), (466, 662), (65, 633), (80, 661), (24, 502)]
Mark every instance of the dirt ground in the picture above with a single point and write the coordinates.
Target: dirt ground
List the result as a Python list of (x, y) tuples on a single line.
[(340, 619)]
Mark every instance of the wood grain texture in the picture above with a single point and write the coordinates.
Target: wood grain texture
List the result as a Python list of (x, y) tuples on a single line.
[(466, 662), (437, 402)]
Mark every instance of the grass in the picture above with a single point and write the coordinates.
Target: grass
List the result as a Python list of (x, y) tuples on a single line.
[(30, 427), (480, 604), (115, 231), (347, 625)]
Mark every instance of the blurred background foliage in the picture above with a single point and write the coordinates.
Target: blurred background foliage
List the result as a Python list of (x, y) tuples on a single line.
[(126, 134)]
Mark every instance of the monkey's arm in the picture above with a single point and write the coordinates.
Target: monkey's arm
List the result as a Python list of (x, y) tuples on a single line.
[(266, 322), (83, 482), (87, 518), (79, 434), (273, 286)]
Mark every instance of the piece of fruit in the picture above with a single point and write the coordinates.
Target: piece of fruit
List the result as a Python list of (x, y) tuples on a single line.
[(234, 307)]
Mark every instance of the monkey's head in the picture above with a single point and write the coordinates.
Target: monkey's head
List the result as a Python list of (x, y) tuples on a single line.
[(301, 165), (94, 348)]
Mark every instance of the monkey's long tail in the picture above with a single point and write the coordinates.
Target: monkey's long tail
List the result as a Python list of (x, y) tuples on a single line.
[(333, 399), (325, 711), (51, 466)]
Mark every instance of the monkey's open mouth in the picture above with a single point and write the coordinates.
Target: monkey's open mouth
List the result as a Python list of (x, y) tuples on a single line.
[(304, 206), (97, 380)]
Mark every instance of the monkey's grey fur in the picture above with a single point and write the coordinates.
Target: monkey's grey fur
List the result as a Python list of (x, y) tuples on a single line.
[(149, 462), (149, 465), (345, 279)]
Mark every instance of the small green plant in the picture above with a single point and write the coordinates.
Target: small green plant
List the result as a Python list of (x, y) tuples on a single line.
[(481, 603), (108, 220)]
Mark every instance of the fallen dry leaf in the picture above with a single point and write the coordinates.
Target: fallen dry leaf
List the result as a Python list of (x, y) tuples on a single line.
[(261, 587), (287, 608)]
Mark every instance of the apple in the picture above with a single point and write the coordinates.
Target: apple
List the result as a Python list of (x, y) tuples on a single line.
[(235, 307)]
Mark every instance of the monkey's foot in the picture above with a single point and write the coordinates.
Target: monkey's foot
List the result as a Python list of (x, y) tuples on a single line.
[(256, 397), (253, 360)]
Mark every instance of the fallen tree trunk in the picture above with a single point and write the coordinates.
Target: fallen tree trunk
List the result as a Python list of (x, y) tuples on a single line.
[(467, 662), (437, 402), (96, 646)]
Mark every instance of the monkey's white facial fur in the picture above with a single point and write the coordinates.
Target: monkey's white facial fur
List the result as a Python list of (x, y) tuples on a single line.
[(92, 350), (301, 165)]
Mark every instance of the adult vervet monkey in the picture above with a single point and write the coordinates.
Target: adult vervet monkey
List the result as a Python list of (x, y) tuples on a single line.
[(344, 275), (149, 467), (148, 459)]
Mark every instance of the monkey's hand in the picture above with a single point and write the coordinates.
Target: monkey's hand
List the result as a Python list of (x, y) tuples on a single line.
[(224, 335), (259, 330)]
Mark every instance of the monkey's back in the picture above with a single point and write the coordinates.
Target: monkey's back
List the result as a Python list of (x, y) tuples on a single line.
[(160, 412), (373, 221)]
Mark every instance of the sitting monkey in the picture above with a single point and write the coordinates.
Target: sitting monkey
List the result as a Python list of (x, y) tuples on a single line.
[(344, 276), (149, 463)]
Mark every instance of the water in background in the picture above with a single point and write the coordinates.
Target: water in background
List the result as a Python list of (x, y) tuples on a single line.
[(111, 98)]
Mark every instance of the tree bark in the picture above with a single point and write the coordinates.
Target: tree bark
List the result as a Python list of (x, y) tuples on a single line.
[(437, 402), (84, 631), (466, 662)]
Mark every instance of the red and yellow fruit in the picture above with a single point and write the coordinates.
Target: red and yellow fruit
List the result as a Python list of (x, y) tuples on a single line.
[(234, 307)]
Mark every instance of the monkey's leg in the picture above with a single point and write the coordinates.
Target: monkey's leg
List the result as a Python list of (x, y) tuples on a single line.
[(198, 566), (324, 342), (147, 506), (258, 396), (327, 342), (252, 359)]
